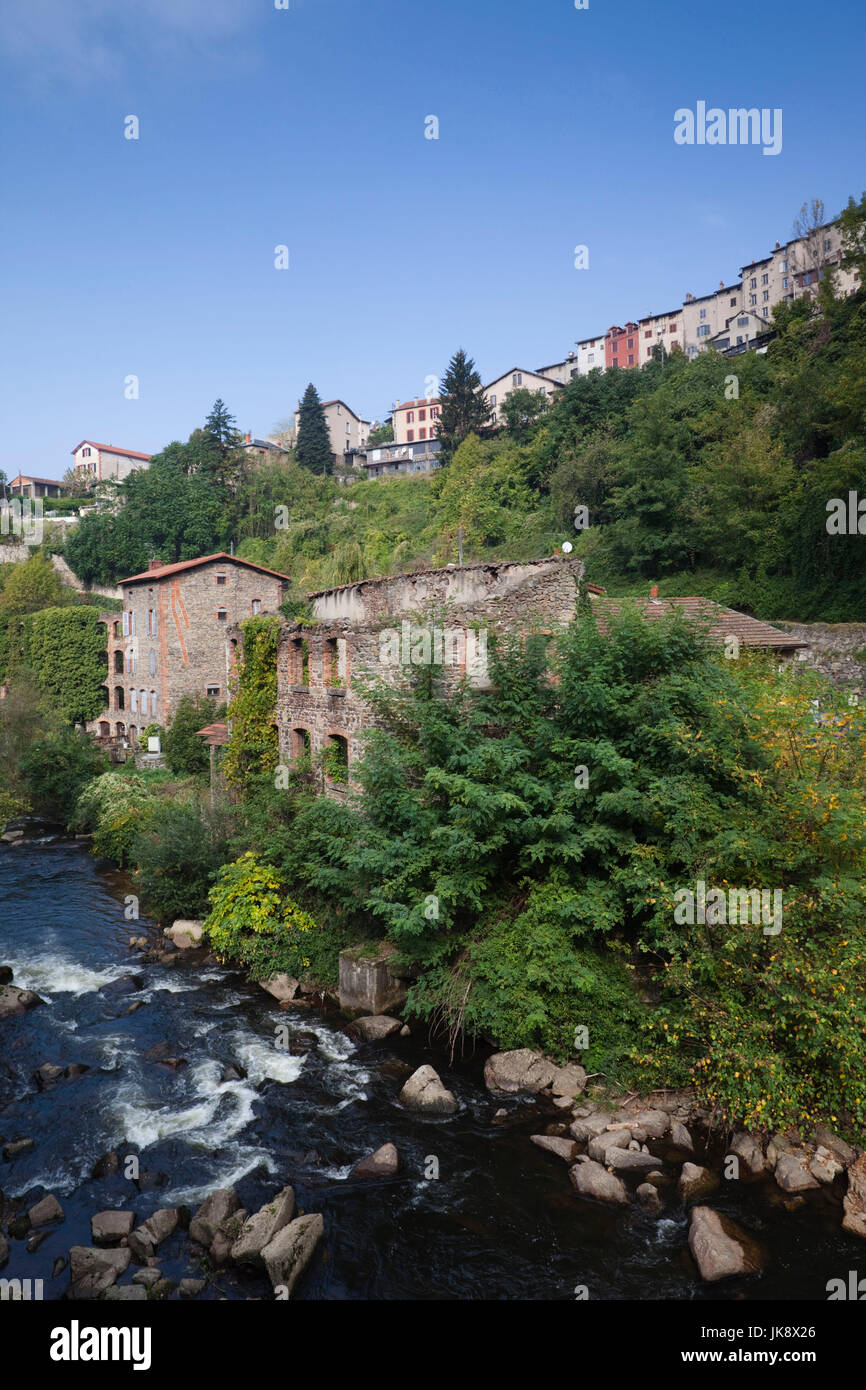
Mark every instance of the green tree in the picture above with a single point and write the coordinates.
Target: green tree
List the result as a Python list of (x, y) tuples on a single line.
[(31, 585), (186, 753), (382, 434), (521, 411), (67, 653), (55, 769), (463, 407), (313, 448), (852, 222)]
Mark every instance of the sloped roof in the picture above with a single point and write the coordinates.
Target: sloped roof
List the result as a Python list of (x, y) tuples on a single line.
[(221, 555), (110, 449), (214, 735), (721, 622)]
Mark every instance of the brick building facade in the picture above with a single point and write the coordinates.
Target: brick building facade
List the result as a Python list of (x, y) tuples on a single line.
[(170, 639)]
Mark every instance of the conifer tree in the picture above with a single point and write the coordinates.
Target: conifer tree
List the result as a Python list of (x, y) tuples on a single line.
[(313, 447), (463, 406)]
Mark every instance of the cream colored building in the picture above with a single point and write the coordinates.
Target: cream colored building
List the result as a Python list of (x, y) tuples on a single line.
[(706, 315), (517, 379), (588, 358), (666, 329), (98, 463), (346, 429)]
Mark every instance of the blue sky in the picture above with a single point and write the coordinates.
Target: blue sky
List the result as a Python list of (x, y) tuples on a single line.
[(305, 127)]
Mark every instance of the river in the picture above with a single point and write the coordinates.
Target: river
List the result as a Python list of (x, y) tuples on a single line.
[(500, 1222)]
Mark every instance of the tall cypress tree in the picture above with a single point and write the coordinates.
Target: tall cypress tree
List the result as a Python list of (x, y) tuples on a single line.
[(462, 402), (313, 447)]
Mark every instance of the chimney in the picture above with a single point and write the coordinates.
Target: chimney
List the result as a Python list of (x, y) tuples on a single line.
[(721, 284), (778, 246), (154, 564), (248, 438), (654, 591)]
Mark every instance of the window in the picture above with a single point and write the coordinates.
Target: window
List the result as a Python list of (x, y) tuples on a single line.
[(410, 435), (493, 418), (765, 311), (221, 578), (765, 279), (153, 704), (783, 265), (133, 701), (753, 283), (348, 427), (255, 605), (765, 296), (590, 357), (410, 417), (222, 615), (300, 743), (753, 299), (743, 322), (648, 333), (422, 434), (422, 414), (130, 662), (85, 453), (827, 243), (703, 313), (118, 697), (740, 338), (631, 359), (125, 623), (493, 402), (785, 282), (152, 662), (434, 412), (337, 758), (672, 328), (703, 330), (299, 667), (213, 692), (144, 702), (733, 304), (151, 622)]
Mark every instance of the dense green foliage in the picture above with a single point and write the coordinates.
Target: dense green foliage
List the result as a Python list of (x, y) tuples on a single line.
[(252, 921), (54, 770), (186, 753), (177, 852), (313, 449), (67, 654), (462, 404), (252, 747)]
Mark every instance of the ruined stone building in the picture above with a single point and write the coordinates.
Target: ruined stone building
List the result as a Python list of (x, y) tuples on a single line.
[(170, 639)]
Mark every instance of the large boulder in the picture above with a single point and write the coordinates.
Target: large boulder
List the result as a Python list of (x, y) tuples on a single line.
[(92, 1271), (630, 1161), (373, 1028), (288, 1254), (792, 1172), (655, 1122), (591, 1180), (521, 1070), (563, 1148), (222, 1203), (260, 1229), (110, 1227), (696, 1181), (384, 1163), (748, 1152), (15, 1001), (45, 1213), (184, 934), (837, 1146), (609, 1139), (649, 1199), (424, 1091), (720, 1247), (588, 1126), (569, 1082), (282, 986), (145, 1239), (854, 1203)]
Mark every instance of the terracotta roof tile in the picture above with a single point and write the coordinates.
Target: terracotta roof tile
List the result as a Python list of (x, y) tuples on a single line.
[(721, 622), (165, 570)]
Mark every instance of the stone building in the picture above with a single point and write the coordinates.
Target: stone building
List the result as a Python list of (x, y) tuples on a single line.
[(170, 639), (441, 617)]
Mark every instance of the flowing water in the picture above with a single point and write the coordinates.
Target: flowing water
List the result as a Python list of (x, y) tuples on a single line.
[(500, 1222)]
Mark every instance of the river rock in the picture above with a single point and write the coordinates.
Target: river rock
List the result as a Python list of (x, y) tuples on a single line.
[(649, 1199), (15, 1001), (627, 1161), (680, 1137), (226, 1237), (10, 836), (424, 1091), (152, 1232), (720, 1247), (16, 1148), (75, 1070), (5, 974), (854, 1203), (110, 1227), (748, 1152), (214, 1210), (592, 1180), (655, 1122), (837, 1146), (521, 1070), (792, 1172), (568, 1082), (125, 1293), (384, 1163), (288, 1254), (259, 1230), (184, 934), (91, 1271), (696, 1181), (587, 1127), (282, 986), (232, 1072), (825, 1166), (373, 1027), (4, 1250), (127, 984), (563, 1148), (45, 1212), (609, 1139), (105, 1166), (58, 1267), (47, 1076), (191, 1288), (147, 1277)]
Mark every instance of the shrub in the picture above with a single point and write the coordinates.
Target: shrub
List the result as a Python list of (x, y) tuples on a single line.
[(253, 921), (55, 769), (176, 855), (185, 752)]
